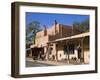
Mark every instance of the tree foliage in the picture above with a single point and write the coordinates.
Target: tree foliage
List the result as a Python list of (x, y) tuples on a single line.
[(82, 26), (31, 30)]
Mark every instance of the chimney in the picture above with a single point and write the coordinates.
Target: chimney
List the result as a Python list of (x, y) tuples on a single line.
[(55, 24), (45, 30)]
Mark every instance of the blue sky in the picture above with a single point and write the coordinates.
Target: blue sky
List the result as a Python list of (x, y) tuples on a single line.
[(48, 18)]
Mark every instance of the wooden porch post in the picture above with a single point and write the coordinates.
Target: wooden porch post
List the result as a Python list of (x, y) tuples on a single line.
[(82, 49), (31, 55), (47, 51), (56, 51)]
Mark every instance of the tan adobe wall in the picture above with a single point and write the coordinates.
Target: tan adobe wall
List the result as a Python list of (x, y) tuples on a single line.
[(60, 31), (39, 34), (65, 31), (55, 32), (41, 41)]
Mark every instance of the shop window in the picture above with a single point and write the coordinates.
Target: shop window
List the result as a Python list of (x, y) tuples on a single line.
[(51, 49), (69, 49), (60, 55)]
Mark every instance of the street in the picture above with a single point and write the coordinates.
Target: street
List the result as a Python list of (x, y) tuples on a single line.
[(39, 63), (36, 64)]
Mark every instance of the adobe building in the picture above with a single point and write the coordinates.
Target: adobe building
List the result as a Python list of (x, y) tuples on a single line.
[(62, 43)]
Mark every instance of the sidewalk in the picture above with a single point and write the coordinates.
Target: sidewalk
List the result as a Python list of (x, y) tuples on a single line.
[(56, 63)]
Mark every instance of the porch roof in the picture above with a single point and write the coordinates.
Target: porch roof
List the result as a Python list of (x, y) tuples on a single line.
[(71, 37)]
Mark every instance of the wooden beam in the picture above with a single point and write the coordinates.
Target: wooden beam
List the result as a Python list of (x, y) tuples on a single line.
[(82, 49)]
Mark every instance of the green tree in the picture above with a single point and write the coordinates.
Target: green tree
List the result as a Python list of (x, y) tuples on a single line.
[(82, 26), (31, 30)]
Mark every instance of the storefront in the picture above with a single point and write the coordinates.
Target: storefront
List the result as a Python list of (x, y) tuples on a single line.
[(74, 48)]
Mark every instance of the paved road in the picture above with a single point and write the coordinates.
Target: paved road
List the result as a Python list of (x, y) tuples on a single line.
[(36, 64)]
